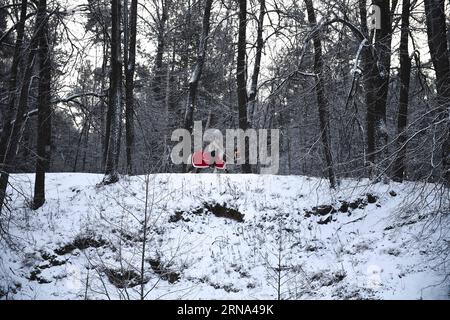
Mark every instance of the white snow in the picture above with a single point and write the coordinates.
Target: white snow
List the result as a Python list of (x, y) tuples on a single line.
[(390, 249)]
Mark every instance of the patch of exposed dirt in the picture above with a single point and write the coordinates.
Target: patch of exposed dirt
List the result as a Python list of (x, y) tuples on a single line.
[(326, 211), (35, 276), (227, 287), (326, 279), (10, 289), (221, 211), (163, 271), (177, 217), (124, 278), (81, 243), (321, 210), (50, 261)]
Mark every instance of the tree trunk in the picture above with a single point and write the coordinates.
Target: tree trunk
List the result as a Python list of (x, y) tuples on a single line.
[(324, 116), (405, 75), (363, 17), (85, 145), (241, 78), (80, 139), (383, 40), (105, 120), (370, 72), (13, 87), (377, 64), (129, 86), (44, 110), (259, 48), (11, 144), (168, 111), (198, 68), (161, 43), (437, 42), (197, 71), (115, 101)]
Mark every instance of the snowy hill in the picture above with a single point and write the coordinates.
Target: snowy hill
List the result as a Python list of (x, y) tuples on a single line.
[(214, 236)]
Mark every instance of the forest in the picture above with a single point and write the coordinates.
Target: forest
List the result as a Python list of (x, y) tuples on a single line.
[(93, 90)]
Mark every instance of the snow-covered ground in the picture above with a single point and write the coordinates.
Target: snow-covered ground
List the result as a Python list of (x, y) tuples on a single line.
[(213, 236)]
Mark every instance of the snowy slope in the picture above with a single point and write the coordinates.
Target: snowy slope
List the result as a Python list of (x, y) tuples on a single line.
[(215, 236)]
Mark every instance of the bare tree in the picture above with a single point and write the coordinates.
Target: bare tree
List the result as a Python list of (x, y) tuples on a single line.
[(115, 98), (14, 135), (405, 75), (198, 68), (377, 74), (437, 42), (257, 66), (161, 22), (44, 109), (13, 88), (241, 78), (324, 115), (130, 66)]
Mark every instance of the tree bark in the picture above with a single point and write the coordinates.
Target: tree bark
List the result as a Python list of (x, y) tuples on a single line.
[(13, 87), (197, 72), (256, 69), (405, 75), (11, 144), (105, 120), (115, 98), (241, 78), (324, 115), (437, 42), (377, 64), (198, 68), (362, 4), (44, 109), (383, 40), (160, 47), (129, 86)]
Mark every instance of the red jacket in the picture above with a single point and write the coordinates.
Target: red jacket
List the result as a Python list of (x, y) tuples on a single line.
[(203, 160)]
